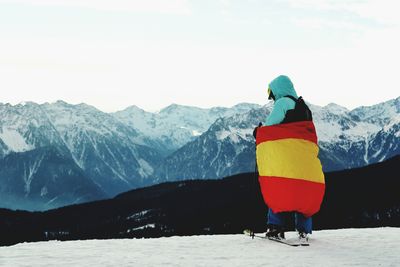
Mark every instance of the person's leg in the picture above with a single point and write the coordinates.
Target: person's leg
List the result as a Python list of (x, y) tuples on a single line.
[(303, 224), (276, 219), (276, 225)]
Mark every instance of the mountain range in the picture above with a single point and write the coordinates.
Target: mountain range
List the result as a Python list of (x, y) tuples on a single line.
[(55, 154), (347, 139)]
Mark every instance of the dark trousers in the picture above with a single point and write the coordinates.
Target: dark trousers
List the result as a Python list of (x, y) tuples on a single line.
[(302, 223)]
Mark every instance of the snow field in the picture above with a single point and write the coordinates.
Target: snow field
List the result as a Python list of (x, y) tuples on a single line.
[(345, 247)]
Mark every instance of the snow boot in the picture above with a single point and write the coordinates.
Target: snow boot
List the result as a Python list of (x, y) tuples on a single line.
[(303, 237), (275, 231)]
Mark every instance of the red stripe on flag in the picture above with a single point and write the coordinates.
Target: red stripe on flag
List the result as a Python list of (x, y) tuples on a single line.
[(298, 130), (282, 194)]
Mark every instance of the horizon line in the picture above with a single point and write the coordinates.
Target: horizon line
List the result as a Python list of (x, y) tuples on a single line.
[(177, 104)]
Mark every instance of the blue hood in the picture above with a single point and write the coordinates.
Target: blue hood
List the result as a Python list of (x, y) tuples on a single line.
[(282, 86)]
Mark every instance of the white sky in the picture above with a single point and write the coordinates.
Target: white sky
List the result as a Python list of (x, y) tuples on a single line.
[(151, 53)]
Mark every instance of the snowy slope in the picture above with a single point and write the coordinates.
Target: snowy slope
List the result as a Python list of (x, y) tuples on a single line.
[(345, 247), (24, 127), (226, 148), (109, 152)]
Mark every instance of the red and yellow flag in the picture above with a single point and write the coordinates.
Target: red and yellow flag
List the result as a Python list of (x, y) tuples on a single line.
[(290, 172)]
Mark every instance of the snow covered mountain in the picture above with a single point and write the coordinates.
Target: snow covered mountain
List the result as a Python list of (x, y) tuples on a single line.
[(347, 139), (45, 148), (112, 152), (359, 137), (25, 127), (226, 148), (176, 125), (132, 148)]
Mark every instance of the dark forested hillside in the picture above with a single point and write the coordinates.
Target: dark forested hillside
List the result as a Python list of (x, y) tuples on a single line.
[(364, 197)]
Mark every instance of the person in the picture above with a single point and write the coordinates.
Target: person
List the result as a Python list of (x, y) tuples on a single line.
[(282, 92)]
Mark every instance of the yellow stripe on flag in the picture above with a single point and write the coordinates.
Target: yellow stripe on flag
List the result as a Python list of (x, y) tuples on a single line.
[(290, 158)]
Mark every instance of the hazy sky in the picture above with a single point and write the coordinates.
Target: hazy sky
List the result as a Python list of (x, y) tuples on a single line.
[(151, 53)]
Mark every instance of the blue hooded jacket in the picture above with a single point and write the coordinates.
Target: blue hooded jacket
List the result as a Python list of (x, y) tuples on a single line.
[(280, 87)]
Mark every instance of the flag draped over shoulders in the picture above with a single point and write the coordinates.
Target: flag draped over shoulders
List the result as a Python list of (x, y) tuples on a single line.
[(290, 172)]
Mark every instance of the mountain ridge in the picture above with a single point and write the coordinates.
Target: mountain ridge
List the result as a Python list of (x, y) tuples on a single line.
[(115, 154), (345, 142)]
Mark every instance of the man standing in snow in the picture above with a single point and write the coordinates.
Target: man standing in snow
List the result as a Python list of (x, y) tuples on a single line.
[(286, 109)]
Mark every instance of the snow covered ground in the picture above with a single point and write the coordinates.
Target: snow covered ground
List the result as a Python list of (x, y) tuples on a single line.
[(346, 247)]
